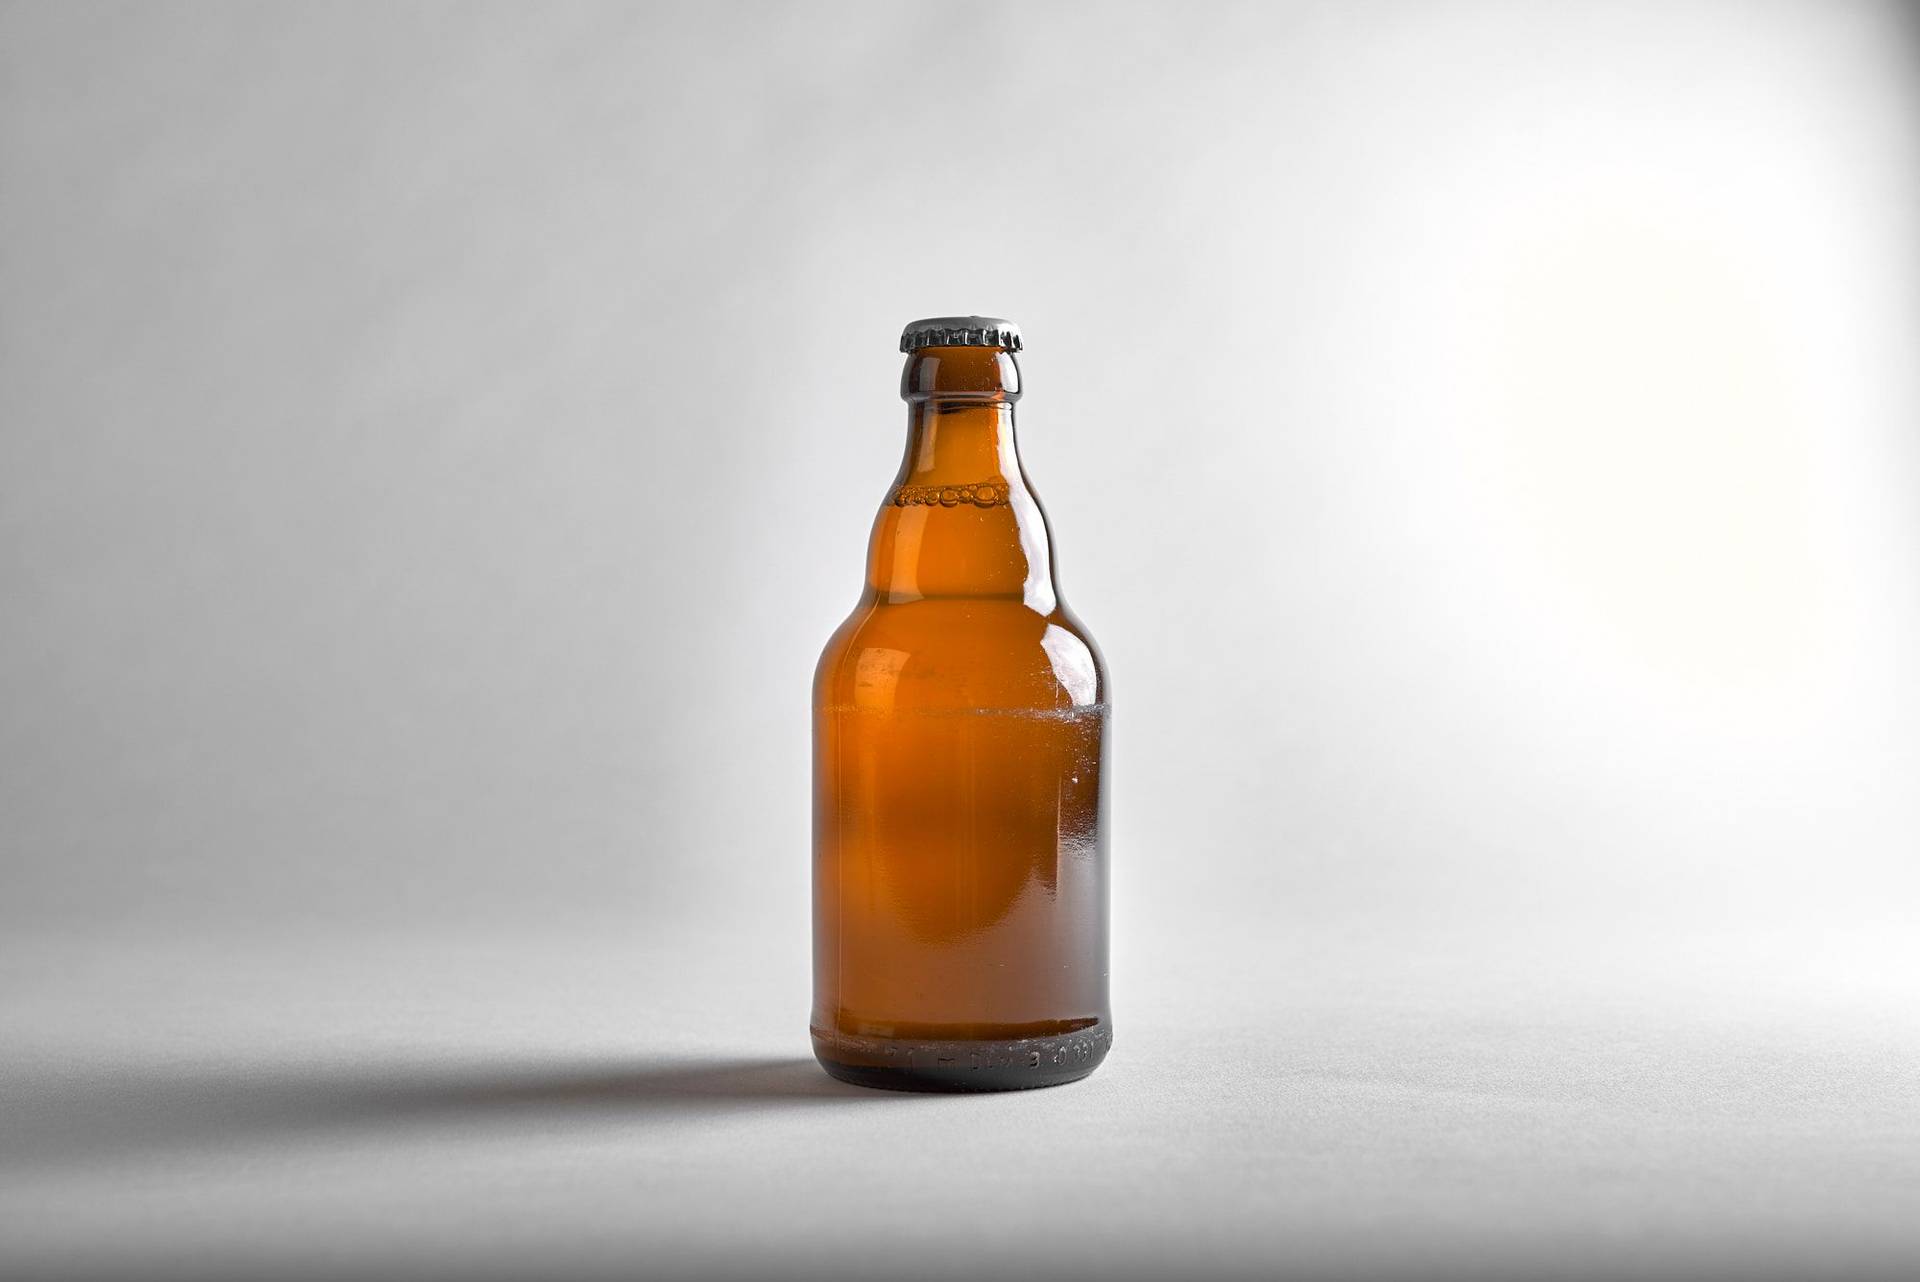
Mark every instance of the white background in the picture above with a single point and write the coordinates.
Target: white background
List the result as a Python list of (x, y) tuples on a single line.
[(436, 441)]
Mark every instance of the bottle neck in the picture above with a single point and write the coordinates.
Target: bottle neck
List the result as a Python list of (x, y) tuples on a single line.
[(964, 441), (961, 520)]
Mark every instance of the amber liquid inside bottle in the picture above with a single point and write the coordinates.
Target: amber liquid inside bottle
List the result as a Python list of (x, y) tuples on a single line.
[(960, 721)]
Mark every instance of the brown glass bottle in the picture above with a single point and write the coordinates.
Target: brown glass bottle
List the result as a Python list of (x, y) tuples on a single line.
[(960, 723)]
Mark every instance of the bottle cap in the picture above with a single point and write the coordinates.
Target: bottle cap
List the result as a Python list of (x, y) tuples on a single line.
[(960, 331)]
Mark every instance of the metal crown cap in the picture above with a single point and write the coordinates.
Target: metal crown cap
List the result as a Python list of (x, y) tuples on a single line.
[(960, 331)]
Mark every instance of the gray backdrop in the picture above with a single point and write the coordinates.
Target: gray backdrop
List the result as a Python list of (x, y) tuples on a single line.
[(435, 442)]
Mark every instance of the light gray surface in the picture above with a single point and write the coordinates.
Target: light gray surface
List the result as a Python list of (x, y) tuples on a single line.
[(1418, 1102), (435, 442)]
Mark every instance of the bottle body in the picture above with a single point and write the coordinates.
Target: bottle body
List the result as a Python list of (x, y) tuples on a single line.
[(960, 732)]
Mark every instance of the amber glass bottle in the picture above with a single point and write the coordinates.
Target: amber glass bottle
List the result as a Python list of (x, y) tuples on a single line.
[(959, 729)]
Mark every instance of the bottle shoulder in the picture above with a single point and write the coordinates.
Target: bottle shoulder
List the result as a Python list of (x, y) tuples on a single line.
[(960, 652)]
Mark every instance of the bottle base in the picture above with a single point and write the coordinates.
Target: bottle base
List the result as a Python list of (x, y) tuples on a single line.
[(906, 1064)]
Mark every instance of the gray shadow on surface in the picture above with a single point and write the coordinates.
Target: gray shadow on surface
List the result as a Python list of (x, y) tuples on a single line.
[(90, 1115)]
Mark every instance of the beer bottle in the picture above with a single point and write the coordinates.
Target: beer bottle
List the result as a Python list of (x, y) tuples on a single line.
[(959, 732)]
